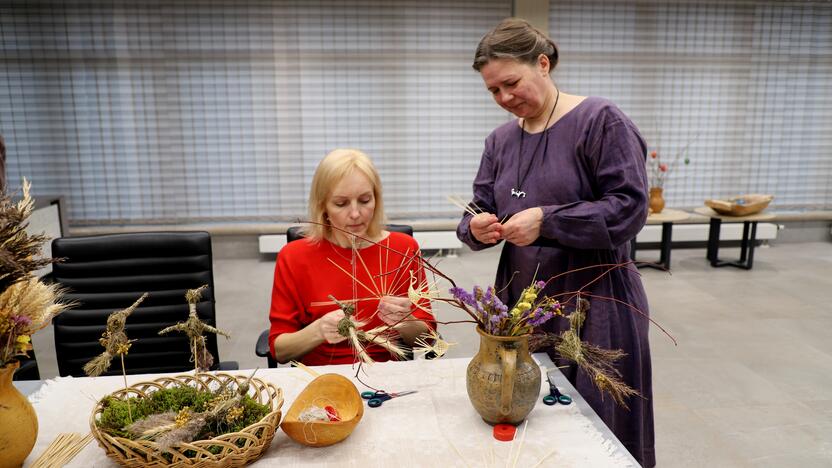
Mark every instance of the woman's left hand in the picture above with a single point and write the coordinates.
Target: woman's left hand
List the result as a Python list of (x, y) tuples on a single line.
[(392, 309), (524, 227)]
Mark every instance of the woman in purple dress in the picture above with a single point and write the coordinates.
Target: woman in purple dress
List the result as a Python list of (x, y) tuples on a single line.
[(565, 186)]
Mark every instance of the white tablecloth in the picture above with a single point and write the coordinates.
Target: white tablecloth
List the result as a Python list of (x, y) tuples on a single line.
[(437, 426)]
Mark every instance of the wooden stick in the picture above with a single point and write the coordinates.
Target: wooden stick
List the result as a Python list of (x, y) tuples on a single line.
[(377, 290), (304, 367), (522, 440), (464, 206), (63, 449), (354, 279), (544, 458)]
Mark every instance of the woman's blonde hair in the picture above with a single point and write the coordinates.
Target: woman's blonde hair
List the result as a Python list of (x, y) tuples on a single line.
[(331, 170)]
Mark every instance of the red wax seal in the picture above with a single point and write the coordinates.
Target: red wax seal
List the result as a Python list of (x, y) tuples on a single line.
[(332, 413), (504, 432)]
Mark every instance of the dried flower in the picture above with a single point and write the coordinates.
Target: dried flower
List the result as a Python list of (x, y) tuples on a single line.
[(659, 170), (26, 304), (496, 318)]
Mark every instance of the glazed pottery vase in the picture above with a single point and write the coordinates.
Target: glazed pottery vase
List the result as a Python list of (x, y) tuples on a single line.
[(656, 200), (503, 381), (18, 421)]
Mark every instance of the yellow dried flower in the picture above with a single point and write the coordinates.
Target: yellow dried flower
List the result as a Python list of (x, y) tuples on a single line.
[(183, 417), (122, 348), (234, 414)]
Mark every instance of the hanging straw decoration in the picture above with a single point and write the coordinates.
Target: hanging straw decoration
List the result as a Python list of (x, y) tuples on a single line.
[(598, 362), (431, 342)]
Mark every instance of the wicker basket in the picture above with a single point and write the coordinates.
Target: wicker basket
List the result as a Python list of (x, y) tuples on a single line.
[(741, 205), (255, 439)]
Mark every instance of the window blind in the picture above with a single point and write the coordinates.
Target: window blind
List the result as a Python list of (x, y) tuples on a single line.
[(144, 112), (751, 78)]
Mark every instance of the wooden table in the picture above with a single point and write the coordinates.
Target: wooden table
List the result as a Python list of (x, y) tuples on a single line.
[(749, 237), (666, 218), (436, 426)]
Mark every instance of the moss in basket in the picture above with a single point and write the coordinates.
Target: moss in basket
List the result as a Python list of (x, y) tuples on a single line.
[(115, 417)]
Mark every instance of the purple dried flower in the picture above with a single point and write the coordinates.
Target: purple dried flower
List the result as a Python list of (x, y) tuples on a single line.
[(464, 296), (23, 320), (478, 293), (540, 318)]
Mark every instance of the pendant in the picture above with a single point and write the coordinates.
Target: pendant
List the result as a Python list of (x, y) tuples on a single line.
[(517, 193)]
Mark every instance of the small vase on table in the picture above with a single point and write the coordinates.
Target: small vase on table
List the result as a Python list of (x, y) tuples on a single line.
[(656, 200)]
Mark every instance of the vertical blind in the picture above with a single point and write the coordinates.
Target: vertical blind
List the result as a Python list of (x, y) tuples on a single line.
[(220, 110), (753, 79)]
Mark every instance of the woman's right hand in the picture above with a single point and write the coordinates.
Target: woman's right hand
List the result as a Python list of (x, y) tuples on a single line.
[(486, 228), (327, 326)]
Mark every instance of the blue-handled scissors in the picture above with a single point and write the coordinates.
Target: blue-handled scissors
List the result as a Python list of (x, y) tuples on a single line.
[(555, 396), (375, 399)]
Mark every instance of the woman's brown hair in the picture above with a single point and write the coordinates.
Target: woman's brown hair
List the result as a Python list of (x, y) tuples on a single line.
[(515, 39)]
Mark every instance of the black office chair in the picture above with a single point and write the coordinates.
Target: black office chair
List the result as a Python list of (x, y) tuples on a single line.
[(292, 234), (28, 369), (109, 272)]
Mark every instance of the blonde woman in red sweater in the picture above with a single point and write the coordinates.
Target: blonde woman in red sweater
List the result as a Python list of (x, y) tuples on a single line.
[(346, 207)]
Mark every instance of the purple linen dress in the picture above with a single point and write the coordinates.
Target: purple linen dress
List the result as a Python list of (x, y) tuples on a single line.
[(592, 187)]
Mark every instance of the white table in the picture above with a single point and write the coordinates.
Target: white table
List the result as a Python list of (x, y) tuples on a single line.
[(437, 426)]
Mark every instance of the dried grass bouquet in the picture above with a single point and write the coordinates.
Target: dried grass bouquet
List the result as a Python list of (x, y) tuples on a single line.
[(26, 304)]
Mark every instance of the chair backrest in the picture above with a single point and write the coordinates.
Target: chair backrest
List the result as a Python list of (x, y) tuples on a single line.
[(294, 232), (109, 272)]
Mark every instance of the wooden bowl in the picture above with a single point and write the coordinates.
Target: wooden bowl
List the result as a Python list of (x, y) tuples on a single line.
[(326, 390), (741, 205)]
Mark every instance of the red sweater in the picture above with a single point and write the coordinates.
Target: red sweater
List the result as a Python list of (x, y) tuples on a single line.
[(305, 276)]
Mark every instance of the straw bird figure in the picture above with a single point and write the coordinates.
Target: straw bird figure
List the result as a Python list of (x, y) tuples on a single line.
[(114, 340), (195, 328)]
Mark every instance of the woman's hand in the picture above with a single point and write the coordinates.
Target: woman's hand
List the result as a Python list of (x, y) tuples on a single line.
[(486, 228), (393, 309), (327, 327), (524, 227)]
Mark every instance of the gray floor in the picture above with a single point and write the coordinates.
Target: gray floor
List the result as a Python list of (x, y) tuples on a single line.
[(750, 383)]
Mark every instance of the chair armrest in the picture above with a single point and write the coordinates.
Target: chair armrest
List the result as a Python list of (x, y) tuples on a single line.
[(262, 347)]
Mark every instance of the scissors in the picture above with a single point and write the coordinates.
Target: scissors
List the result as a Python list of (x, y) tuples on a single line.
[(555, 396), (375, 399)]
